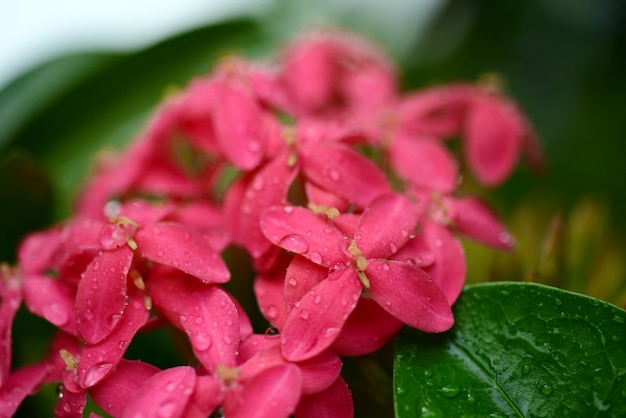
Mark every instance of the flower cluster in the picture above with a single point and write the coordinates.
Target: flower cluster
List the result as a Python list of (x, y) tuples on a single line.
[(341, 190)]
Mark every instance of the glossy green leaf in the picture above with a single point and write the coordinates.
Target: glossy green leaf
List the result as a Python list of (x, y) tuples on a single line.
[(516, 350)]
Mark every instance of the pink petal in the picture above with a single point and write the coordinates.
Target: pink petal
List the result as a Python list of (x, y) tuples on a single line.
[(10, 301), (367, 329), (301, 231), (268, 290), (53, 300), (36, 251), (309, 74), (256, 343), (113, 393), (183, 248), (334, 402), (340, 169), (385, 226), (273, 393), (370, 86), (473, 218), (302, 275), (70, 405), (316, 320), (165, 394), (322, 197), (207, 218), (267, 187), (424, 162), (409, 294), (238, 126), (206, 397), (449, 268), (99, 360), (21, 383), (101, 294), (494, 136), (205, 312), (319, 372)]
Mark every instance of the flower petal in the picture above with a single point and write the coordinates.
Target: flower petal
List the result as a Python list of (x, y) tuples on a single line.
[(301, 231), (268, 290), (53, 300), (10, 301), (99, 360), (164, 394), (473, 218), (425, 162), (183, 248), (316, 320), (205, 312), (449, 267), (494, 136), (302, 275), (385, 226), (409, 294), (21, 383), (340, 169), (238, 126), (367, 329), (101, 294), (113, 393), (273, 393), (70, 405), (334, 402)]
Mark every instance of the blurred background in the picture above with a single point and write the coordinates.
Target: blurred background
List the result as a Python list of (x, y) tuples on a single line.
[(76, 77)]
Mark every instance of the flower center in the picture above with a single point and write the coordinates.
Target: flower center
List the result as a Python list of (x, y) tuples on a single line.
[(360, 263)]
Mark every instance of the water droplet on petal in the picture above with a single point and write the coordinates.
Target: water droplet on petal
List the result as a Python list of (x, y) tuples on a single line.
[(96, 373), (315, 257), (272, 312), (330, 331), (198, 320), (88, 313), (317, 299), (304, 314), (271, 332), (294, 243), (292, 281), (288, 209), (96, 265), (393, 248), (258, 184), (166, 409), (201, 341)]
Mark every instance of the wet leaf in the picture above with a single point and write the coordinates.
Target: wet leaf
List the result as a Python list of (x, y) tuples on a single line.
[(517, 349)]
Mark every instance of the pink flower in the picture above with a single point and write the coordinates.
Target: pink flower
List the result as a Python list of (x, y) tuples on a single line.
[(360, 261)]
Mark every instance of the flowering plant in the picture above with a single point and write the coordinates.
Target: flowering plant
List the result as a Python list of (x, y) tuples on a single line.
[(342, 192)]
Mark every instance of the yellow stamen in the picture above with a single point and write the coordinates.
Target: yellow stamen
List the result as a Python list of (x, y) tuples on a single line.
[(69, 359)]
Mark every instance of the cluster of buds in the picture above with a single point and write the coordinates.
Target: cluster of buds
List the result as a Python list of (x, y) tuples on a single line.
[(341, 190)]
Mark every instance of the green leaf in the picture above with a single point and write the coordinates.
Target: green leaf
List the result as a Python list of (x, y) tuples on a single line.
[(516, 350)]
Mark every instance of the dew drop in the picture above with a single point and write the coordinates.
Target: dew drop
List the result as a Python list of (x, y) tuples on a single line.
[(272, 312), (156, 230), (471, 398), (96, 265), (328, 230), (288, 209), (96, 373), (199, 320), (201, 341), (315, 257), (385, 266), (292, 281), (88, 313), (317, 299), (450, 391), (59, 391), (56, 314), (393, 248), (427, 373), (558, 302), (166, 409), (330, 331), (160, 254), (618, 319), (525, 369), (546, 389), (272, 332), (258, 184), (294, 243), (304, 314)]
